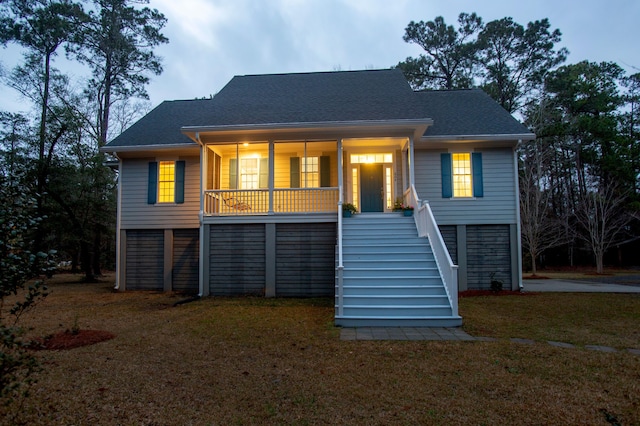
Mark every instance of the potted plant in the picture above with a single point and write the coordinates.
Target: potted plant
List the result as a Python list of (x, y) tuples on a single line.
[(348, 209), (407, 210), (397, 205)]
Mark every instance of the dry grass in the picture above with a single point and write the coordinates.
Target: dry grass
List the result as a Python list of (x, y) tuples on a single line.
[(581, 273), (259, 361)]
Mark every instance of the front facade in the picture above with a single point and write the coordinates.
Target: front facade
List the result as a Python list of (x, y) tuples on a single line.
[(241, 194)]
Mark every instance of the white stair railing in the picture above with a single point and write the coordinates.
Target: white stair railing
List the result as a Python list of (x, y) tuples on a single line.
[(340, 268), (427, 227)]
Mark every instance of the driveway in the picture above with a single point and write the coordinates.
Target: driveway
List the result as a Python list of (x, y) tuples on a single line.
[(597, 285)]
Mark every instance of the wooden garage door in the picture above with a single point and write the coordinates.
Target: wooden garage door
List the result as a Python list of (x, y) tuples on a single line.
[(185, 260), (145, 259), (305, 259), (237, 260), (450, 237), (488, 251)]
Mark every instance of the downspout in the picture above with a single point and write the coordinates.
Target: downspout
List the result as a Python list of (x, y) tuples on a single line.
[(518, 226), (201, 219), (118, 221)]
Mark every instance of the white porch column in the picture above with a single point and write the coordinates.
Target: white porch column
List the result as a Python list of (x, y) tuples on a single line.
[(411, 159), (340, 171), (202, 291), (271, 174)]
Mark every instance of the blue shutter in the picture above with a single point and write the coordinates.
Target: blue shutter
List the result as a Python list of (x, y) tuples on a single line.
[(294, 172), (476, 166), (325, 171), (179, 188), (263, 181), (152, 187), (447, 178), (233, 168)]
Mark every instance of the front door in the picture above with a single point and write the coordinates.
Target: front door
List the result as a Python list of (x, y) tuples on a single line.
[(372, 188)]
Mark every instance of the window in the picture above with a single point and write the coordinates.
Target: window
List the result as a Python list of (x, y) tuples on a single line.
[(249, 173), (166, 182), (254, 173), (355, 189), (461, 175), (371, 158), (310, 172)]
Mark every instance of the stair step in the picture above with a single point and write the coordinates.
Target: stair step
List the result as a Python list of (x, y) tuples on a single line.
[(412, 300), (396, 310), (374, 290), (382, 263), (378, 281), (419, 257), (398, 273), (431, 321)]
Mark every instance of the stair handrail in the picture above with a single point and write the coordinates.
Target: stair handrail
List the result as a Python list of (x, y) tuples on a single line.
[(340, 268), (427, 227)]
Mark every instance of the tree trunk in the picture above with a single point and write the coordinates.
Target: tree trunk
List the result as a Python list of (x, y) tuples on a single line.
[(85, 256), (97, 242)]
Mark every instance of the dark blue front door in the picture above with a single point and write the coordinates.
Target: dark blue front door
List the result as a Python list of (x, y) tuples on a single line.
[(371, 187)]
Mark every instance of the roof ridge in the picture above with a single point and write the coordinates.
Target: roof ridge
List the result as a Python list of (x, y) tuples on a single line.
[(317, 72)]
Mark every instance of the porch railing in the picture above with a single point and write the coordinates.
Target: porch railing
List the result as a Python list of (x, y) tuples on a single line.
[(427, 227), (236, 202)]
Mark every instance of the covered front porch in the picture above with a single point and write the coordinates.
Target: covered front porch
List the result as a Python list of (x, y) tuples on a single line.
[(284, 177)]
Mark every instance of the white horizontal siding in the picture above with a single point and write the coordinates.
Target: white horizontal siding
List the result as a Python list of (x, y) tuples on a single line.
[(137, 214), (498, 206)]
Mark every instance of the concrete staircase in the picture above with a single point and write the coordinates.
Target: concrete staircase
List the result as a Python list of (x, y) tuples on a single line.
[(390, 277)]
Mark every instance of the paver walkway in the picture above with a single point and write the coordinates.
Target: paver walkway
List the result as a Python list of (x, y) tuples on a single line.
[(449, 334)]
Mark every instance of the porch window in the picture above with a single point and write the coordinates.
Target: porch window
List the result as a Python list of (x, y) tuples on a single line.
[(310, 172), (249, 173)]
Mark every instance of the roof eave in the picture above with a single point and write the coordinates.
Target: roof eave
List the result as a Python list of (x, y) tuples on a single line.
[(480, 138), (156, 147), (417, 127)]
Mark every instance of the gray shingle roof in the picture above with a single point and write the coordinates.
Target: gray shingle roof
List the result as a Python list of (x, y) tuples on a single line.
[(370, 95), (467, 112)]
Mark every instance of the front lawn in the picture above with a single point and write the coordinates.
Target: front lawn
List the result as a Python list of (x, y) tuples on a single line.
[(281, 361)]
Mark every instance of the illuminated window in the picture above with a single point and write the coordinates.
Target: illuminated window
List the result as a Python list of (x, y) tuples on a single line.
[(310, 172), (461, 171), (371, 158), (387, 187), (354, 175), (249, 173), (166, 182)]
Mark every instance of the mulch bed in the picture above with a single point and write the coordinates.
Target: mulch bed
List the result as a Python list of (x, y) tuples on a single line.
[(68, 339), (474, 293)]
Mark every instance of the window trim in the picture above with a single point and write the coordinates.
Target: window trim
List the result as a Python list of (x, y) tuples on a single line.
[(153, 186), (477, 185)]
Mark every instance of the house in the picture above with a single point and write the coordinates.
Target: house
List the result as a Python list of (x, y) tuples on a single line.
[(241, 194)]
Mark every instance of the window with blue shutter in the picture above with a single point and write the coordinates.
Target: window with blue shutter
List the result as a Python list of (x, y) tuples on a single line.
[(476, 167), (179, 188), (461, 175), (447, 182), (294, 172), (152, 187), (166, 182)]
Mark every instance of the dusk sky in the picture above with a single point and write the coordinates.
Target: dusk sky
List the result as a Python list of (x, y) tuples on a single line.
[(213, 40)]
